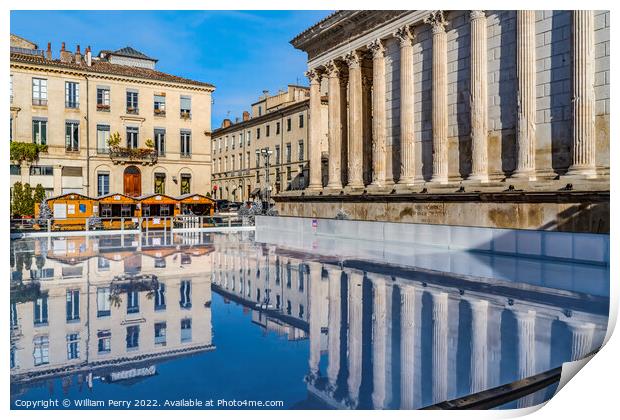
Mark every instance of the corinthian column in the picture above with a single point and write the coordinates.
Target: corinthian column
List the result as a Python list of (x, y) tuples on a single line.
[(440, 346), (526, 95), (314, 130), (355, 160), (440, 97), (479, 344), (526, 348), (407, 145), (334, 322), (316, 306), (335, 127), (409, 387), (583, 95), (355, 337), (378, 113), (379, 343), (479, 152), (581, 339)]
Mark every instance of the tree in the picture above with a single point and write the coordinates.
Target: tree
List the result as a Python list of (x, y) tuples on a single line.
[(114, 140), (17, 199), (45, 213), (28, 201), (39, 194)]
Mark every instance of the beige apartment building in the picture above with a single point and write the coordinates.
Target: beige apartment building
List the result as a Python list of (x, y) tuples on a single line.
[(74, 102), (278, 123)]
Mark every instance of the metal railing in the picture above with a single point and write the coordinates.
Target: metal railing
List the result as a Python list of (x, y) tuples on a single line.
[(102, 223)]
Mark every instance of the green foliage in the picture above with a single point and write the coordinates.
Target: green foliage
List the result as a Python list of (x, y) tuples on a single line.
[(114, 140), (28, 152), (149, 143), (208, 194), (39, 194), (22, 202)]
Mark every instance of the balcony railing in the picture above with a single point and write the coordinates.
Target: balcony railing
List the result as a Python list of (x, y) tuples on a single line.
[(138, 155), (132, 110), (186, 115), (103, 107)]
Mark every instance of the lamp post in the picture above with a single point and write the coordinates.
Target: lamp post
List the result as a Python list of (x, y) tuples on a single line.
[(266, 153)]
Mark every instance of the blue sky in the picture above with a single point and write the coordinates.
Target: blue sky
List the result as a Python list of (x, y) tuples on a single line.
[(240, 52)]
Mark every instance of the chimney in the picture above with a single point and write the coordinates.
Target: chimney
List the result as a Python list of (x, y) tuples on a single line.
[(266, 93), (65, 56), (78, 55), (246, 115), (89, 57), (48, 53), (226, 123)]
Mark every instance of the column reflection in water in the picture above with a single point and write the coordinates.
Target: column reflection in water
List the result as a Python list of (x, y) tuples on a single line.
[(355, 335)]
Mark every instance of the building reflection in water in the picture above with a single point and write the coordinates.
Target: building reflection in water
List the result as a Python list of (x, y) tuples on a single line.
[(379, 337), (107, 308), (409, 341)]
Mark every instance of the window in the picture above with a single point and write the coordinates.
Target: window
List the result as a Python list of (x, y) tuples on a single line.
[(160, 297), (103, 300), (160, 333), (288, 173), (72, 95), (133, 302), (39, 91), (73, 305), (277, 127), (16, 170), (103, 264), (260, 110), (288, 124), (160, 141), (186, 143), (249, 137), (103, 185), (247, 160), (132, 102), (277, 154), (186, 180), (278, 175), (42, 170), (103, 99), (288, 152), (103, 136), (146, 210), (164, 210), (186, 107), (186, 294), (39, 130), (257, 158), (40, 311), (72, 136), (41, 351), (267, 130), (301, 311), (11, 88), (186, 330), (73, 346), (132, 338), (301, 150), (301, 120), (258, 133), (132, 137), (159, 105), (104, 339), (160, 183), (241, 139), (126, 210), (240, 161), (232, 142)]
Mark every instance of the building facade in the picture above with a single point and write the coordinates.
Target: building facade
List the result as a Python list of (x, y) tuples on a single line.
[(74, 103), (278, 123), (436, 110)]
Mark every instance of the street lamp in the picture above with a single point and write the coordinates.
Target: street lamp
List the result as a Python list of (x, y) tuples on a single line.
[(266, 153)]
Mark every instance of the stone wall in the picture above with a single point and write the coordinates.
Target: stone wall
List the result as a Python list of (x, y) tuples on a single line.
[(556, 212)]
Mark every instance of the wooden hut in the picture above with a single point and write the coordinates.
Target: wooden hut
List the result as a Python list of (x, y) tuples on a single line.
[(70, 211), (117, 209), (196, 210), (158, 210)]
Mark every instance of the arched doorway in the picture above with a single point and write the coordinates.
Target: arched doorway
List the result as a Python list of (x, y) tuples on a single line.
[(132, 181)]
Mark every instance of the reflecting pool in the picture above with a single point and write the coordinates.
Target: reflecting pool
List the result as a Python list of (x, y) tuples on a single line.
[(199, 317)]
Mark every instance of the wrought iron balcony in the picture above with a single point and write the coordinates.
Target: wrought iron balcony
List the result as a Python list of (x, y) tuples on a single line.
[(127, 155)]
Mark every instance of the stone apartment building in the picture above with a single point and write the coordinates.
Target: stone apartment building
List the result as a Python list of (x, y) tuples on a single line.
[(278, 123), (74, 102), (431, 111)]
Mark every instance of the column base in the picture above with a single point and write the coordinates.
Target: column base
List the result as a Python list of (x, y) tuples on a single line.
[(528, 175), (333, 190), (439, 179), (354, 189), (377, 187), (580, 172), (314, 188), (483, 178), (407, 181)]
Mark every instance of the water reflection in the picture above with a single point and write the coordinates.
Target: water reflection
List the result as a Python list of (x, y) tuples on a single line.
[(384, 342), (112, 308)]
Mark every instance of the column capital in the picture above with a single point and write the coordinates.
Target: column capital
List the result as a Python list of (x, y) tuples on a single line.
[(333, 69), (354, 59), (377, 48), (314, 75), (437, 21), (477, 14), (405, 35)]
